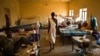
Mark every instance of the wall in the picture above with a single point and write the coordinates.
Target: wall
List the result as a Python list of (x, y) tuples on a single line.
[(41, 10), (13, 5), (92, 6)]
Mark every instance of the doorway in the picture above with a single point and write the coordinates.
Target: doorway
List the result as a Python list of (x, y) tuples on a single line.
[(7, 16)]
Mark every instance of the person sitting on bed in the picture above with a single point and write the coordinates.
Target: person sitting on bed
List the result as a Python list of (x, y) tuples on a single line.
[(96, 35), (24, 38), (35, 34)]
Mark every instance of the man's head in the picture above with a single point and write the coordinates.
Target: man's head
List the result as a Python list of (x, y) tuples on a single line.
[(53, 14)]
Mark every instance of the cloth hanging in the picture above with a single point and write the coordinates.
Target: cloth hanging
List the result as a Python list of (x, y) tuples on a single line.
[(94, 23)]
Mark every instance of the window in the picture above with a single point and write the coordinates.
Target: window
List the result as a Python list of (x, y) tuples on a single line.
[(83, 14), (71, 13)]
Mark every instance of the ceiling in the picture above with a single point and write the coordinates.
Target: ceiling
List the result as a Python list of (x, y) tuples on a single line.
[(56, 0), (47, 0)]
